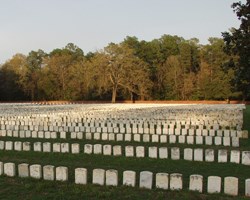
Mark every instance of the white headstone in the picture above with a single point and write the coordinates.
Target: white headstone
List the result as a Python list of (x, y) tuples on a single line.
[(137, 137), (162, 181), (152, 152), (209, 155), (18, 146), (231, 186), (247, 187), (129, 178), (107, 149), (88, 148), (175, 153), (208, 140), (97, 149), (9, 145), (146, 179), (175, 181), (226, 141), (117, 150), (140, 151), (37, 146), (46, 147), (146, 138), (129, 151), (196, 183), (181, 139), (98, 176), (217, 140), (75, 148), (199, 139), (222, 155), (61, 173), (188, 154), (163, 152), (81, 176), (65, 147), (190, 139), (246, 157), (9, 169), (172, 139), (111, 177), (235, 142), (23, 170), (56, 147), (235, 156), (36, 171), (49, 172), (1, 168), (214, 184)]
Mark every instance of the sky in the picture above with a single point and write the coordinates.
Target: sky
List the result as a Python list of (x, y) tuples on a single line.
[(27, 25)]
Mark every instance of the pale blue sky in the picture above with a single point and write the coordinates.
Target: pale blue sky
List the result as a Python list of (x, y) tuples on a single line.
[(27, 25)]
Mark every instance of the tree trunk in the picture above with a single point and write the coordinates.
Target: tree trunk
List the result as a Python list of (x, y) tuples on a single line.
[(114, 93)]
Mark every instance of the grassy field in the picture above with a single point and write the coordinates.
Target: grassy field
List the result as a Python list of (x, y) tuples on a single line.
[(17, 188)]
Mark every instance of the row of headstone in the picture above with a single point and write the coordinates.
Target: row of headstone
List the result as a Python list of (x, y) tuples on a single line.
[(109, 177), (171, 139), (51, 132), (40, 147), (47, 172), (197, 154)]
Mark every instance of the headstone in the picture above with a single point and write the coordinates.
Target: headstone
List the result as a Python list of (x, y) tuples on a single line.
[(163, 152), (111, 177), (209, 155), (137, 137), (127, 137), (181, 139), (146, 179), (56, 147), (214, 184), (37, 146), (129, 178), (175, 153), (146, 138), (9, 169), (245, 157), (222, 155), (119, 137), (155, 138), (36, 171), (129, 151), (152, 152), (247, 187), (104, 136), (9, 145), (112, 137), (46, 147), (217, 140), (231, 186), (140, 151), (63, 135), (107, 149), (88, 148), (163, 139), (226, 141), (97, 149), (208, 140), (97, 136), (2, 145), (117, 150), (190, 139), (81, 176), (162, 181), (23, 170), (199, 139), (61, 173), (175, 181), (198, 154), (18, 146), (188, 154), (75, 148), (49, 172), (88, 136), (26, 146), (196, 183), (235, 156), (172, 139), (235, 142), (98, 176)]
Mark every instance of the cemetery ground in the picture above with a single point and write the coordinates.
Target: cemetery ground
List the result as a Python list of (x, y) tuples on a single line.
[(29, 188)]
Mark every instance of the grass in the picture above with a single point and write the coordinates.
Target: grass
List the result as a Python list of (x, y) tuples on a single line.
[(13, 188)]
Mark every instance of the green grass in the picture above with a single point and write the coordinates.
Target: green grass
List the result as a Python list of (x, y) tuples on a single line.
[(17, 188)]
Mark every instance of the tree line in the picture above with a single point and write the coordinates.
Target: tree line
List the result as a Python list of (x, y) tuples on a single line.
[(168, 68)]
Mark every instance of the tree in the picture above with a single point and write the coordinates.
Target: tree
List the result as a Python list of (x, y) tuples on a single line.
[(238, 43)]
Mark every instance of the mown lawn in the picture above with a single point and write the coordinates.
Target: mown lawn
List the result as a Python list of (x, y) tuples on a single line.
[(17, 188)]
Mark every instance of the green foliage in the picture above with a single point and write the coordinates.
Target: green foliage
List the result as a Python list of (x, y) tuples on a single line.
[(238, 44)]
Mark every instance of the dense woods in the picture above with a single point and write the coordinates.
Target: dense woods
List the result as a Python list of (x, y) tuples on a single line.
[(162, 69)]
